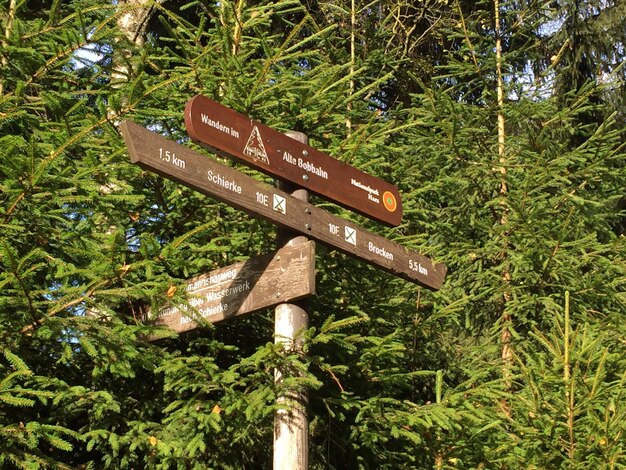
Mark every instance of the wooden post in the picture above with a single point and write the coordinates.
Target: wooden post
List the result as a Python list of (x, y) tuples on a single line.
[(291, 423)]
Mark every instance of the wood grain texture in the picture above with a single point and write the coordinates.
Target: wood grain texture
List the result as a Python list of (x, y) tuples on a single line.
[(171, 160), (260, 282), (231, 134)]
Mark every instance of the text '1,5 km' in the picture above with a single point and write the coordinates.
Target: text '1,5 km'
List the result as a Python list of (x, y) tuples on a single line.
[(241, 191), (232, 134)]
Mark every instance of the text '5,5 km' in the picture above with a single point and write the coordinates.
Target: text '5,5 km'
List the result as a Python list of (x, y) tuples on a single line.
[(241, 191)]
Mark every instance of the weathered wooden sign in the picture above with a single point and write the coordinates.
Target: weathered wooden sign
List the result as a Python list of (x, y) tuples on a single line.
[(232, 134), (260, 282), (171, 160)]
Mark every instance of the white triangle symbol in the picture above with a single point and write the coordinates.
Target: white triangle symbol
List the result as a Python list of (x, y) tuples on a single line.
[(255, 148)]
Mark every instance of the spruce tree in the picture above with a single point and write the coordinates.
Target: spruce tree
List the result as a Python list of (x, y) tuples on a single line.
[(399, 377)]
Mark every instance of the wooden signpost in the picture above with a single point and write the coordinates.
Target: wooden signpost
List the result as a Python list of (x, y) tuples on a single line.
[(289, 273), (232, 134), (260, 282), (171, 160)]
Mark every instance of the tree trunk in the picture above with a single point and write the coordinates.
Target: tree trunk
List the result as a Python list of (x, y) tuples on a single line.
[(8, 28), (505, 333), (131, 22)]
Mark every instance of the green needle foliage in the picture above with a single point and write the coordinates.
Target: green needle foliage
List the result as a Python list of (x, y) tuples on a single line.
[(517, 362)]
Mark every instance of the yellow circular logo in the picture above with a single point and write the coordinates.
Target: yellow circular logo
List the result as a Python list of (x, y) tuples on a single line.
[(389, 201)]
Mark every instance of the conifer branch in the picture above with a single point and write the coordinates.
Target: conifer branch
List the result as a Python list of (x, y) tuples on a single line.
[(334, 377), (40, 170), (238, 30), (26, 292), (470, 46), (67, 52), (283, 49), (62, 308)]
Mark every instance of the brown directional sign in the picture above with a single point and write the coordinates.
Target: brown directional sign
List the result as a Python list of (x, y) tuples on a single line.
[(171, 160), (261, 282), (232, 134)]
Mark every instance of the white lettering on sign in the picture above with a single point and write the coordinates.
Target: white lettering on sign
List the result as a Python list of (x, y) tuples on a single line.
[(228, 291), (213, 310), (219, 126), (223, 276), (205, 312), (262, 198), (370, 192), (197, 284), (380, 251), (219, 180), (287, 157), (170, 157), (305, 165), (311, 168), (415, 266), (350, 235), (197, 302), (169, 311), (207, 281)]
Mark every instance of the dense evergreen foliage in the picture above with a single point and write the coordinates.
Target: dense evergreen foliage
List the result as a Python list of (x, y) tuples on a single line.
[(502, 123)]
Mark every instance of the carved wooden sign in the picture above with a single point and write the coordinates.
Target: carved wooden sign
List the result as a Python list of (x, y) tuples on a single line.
[(232, 134), (260, 282), (171, 160)]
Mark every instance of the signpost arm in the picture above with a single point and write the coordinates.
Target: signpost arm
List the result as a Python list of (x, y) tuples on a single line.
[(291, 424), (196, 171)]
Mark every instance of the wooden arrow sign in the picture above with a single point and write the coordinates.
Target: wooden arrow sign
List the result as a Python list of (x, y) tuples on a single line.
[(171, 160), (260, 282), (231, 134)]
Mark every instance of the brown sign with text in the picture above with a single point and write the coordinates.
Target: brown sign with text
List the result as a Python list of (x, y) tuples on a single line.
[(232, 134), (260, 282), (171, 160)]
